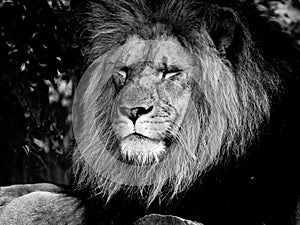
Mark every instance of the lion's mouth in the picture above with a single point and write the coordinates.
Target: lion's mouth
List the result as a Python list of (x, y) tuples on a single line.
[(141, 149), (138, 136)]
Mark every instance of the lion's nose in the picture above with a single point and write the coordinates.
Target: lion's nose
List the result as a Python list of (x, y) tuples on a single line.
[(134, 113)]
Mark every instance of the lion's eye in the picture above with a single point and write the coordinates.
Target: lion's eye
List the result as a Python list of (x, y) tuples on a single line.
[(123, 72), (120, 77), (170, 73)]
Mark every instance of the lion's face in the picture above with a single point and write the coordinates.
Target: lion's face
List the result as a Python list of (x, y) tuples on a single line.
[(162, 102), (153, 85)]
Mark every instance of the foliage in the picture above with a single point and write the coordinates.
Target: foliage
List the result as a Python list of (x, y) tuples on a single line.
[(40, 63), (286, 13)]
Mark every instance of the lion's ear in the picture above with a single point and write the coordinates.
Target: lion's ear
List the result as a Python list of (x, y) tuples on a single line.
[(223, 29)]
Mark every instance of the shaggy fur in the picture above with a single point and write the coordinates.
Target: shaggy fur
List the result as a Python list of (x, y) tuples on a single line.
[(230, 97)]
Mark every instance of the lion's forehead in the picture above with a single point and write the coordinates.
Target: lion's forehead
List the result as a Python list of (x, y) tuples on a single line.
[(163, 50)]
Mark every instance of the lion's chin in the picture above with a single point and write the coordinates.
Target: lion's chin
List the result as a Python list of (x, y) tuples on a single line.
[(142, 150)]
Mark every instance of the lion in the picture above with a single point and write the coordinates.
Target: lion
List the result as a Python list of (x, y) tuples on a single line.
[(173, 88)]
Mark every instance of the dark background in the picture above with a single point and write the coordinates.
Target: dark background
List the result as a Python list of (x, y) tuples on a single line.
[(41, 62)]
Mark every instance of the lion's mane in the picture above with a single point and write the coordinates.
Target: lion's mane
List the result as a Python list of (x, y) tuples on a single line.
[(230, 98)]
